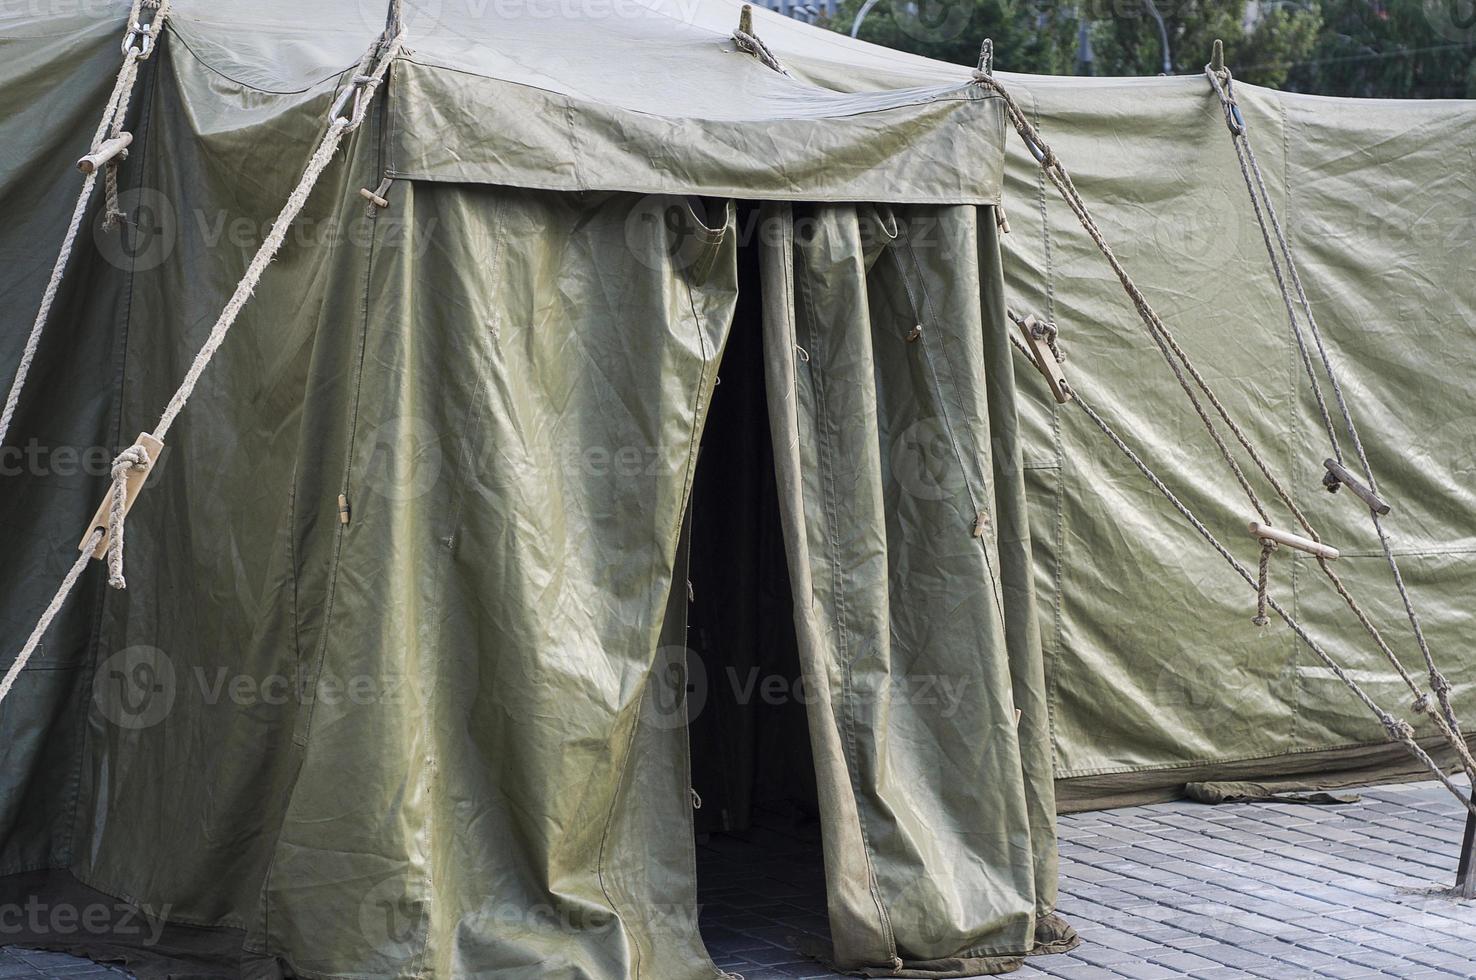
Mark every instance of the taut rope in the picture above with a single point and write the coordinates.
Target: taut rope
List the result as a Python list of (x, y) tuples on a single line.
[(138, 44), (347, 114)]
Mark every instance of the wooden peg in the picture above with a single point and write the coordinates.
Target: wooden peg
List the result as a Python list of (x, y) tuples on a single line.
[(745, 19), (1263, 532), (377, 197), (1341, 475), (135, 482), (1045, 361), (343, 508), (105, 152), (1217, 56)]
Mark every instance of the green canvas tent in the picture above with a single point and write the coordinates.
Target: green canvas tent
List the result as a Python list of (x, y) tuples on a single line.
[(1156, 677), (384, 694), (390, 691)]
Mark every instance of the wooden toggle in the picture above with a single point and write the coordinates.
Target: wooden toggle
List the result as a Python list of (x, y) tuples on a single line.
[(377, 197), (105, 152), (1034, 333), (1263, 532), (135, 482), (1339, 474)]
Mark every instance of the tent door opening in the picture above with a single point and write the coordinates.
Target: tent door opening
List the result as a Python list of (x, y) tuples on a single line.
[(758, 829)]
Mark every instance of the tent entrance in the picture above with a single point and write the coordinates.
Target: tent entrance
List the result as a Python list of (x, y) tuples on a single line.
[(758, 827)]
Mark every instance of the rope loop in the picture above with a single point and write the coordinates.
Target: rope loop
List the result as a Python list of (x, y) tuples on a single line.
[(130, 460), (1267, 547), (754, 45), (138, 42), (1224, 86)]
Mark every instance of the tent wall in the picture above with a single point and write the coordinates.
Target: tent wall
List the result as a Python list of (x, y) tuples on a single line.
[(1157, 675)]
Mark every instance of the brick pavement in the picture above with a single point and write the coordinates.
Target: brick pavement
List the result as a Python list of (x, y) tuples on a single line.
[(1172, 890)]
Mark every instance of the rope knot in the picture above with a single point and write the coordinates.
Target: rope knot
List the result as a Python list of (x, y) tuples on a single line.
[(1421, 704), (131, 460), (1398, 729)]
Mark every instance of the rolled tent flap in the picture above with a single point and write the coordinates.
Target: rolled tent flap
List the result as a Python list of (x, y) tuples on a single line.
[(890, 388)]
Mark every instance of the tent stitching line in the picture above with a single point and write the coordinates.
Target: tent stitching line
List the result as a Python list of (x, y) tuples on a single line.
[(1398, 729), (924, 96), (1210, 763), (1058, 597), (927, 310)]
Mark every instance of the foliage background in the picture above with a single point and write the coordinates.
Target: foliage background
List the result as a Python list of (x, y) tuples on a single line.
[(1371, 48)]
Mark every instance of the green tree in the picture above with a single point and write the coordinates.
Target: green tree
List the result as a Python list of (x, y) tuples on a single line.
[(1029, 35), (1392, 49), (1128, 40)]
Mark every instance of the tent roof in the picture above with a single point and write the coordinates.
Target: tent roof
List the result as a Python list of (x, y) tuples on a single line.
[(636, 95)]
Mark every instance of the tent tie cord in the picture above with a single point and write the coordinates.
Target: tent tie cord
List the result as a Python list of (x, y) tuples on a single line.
[(1222, 81), (1181, 365), (134, 459), (132, 464), (1267, 546), (138, 44), (749, 41)]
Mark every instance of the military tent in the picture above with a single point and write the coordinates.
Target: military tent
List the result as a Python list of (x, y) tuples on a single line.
[(390, 691)]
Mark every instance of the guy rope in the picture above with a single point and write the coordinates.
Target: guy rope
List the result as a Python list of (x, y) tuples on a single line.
[(108, 149), (1212, 414), (104, 536)]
